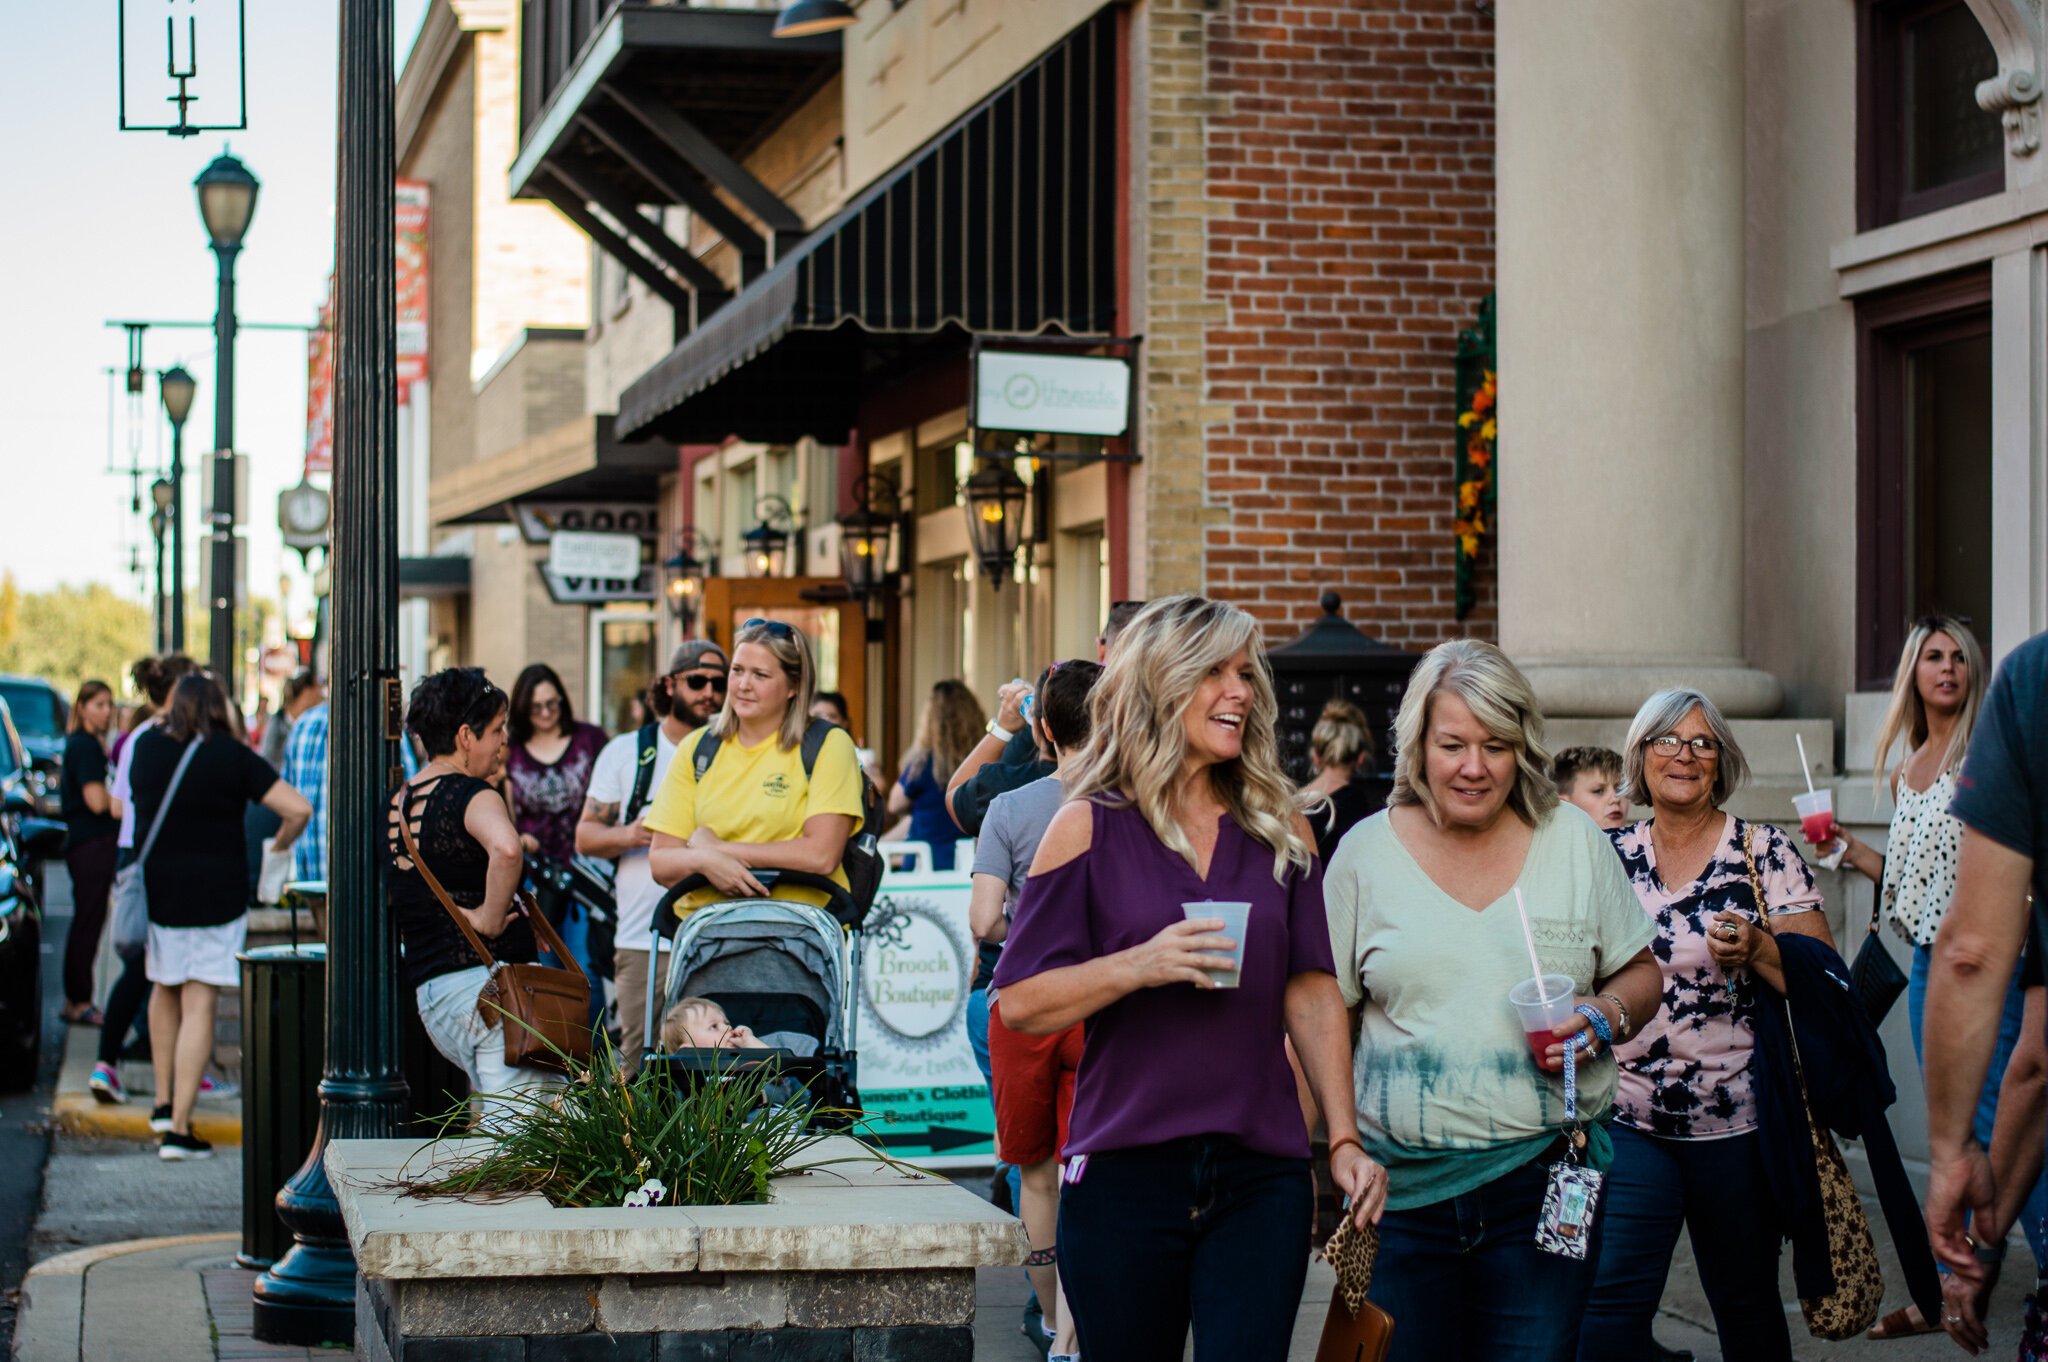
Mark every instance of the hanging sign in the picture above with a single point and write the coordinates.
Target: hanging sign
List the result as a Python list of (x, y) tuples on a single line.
[(540, 520), (320, 389), (572, 590), (410, 251), (592, 553), (1051, 394), (183, 68)]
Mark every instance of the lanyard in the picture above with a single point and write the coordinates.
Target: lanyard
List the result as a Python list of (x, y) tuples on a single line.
[(1598, 1021)]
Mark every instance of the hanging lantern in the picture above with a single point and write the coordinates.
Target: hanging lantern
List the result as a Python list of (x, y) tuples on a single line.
[(995, 518), (864, 535), (768, 541)]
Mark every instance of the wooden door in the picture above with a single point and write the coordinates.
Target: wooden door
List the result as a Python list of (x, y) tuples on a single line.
[(836, 626)]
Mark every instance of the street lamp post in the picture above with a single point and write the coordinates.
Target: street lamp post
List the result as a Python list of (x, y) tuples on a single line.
[(159, 520), (309, 1296), (227, 204), (176, 388)]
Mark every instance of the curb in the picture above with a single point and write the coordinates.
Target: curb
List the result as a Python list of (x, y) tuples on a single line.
[(53, 1324), (83, 1114), (78, 1261)]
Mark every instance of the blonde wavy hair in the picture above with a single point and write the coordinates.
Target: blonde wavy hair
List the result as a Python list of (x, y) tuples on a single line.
[(1907, 715), (1139, 741), (793, 651), (1500, 697)]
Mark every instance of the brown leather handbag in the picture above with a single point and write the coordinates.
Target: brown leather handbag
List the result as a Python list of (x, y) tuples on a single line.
[(546, 1011)]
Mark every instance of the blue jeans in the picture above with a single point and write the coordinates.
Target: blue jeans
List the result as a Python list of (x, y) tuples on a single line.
[(1465, 1282), (1716, 1189), (2035, 1211), (1199, 1229)]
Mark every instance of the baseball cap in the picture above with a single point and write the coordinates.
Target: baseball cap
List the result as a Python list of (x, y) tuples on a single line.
[(691, 653)]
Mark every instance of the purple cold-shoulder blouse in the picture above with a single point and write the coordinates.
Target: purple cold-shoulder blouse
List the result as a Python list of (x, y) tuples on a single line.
[(1166, 1063)]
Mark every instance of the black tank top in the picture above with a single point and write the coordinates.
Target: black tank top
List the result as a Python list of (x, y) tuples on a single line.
[(434, 945)]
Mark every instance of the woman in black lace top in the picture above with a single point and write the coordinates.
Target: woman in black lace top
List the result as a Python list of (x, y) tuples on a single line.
[(465, 836)]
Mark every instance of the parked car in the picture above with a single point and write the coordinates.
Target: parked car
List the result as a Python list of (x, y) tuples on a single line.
[(26, 840), (40, 713)]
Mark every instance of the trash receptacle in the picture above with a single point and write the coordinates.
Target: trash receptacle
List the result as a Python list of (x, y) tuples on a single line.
[(284, 1025)]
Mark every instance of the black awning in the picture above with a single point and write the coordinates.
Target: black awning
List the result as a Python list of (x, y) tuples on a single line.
[(1003, 224)]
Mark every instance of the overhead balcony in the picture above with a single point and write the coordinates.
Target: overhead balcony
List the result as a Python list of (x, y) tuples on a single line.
[(628, 106)]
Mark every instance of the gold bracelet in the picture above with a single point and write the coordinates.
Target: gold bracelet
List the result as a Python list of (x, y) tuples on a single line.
[(1622, 1030)]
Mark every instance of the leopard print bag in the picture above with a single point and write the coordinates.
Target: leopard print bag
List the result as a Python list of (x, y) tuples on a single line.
[(1852, 1306)]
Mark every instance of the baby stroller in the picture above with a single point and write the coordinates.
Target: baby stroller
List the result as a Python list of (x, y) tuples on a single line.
[(774, 965)]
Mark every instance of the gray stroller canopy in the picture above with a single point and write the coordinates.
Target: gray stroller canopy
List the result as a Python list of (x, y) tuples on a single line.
[(762, 948)]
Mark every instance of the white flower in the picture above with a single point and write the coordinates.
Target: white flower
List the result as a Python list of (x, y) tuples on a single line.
[(637, 1199), (654, 1188)]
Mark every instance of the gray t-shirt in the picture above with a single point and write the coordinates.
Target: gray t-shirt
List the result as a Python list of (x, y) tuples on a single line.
[(1010, 834)]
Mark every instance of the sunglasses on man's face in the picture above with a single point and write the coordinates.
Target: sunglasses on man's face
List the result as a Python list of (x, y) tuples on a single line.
[(699, 680)]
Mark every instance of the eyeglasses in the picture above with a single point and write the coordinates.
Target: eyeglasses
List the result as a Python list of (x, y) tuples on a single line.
[(1668, 745), (545, 704), (699, 680), (772, 628)]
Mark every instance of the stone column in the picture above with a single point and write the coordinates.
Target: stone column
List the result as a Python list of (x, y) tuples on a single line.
[(1620, 180)]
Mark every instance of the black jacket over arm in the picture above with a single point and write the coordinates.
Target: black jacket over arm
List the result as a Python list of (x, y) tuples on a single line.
[(1850, 1086)]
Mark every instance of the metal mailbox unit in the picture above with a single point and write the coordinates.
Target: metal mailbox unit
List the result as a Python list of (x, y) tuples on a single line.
[(1334, 659)]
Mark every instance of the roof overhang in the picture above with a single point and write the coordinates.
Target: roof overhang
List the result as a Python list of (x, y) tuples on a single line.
[(579, 460)]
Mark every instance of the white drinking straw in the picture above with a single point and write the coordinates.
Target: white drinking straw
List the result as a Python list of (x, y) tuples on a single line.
[(1805, 767), (1535, 966)]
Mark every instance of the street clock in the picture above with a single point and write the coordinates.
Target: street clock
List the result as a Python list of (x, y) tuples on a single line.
[(303, 514)]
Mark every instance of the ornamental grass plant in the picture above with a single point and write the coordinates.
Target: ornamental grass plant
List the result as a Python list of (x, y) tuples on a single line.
[(603, 1140)]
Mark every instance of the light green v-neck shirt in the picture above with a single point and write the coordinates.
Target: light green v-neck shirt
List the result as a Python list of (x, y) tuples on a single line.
[(1449, 1097)]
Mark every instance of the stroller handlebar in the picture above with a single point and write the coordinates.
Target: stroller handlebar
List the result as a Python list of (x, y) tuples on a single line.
[(838, 902)]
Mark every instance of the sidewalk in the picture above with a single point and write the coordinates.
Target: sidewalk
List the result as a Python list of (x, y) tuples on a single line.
[(77, 1112)]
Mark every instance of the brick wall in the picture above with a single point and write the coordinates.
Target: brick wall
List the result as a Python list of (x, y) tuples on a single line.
[(1345, 210)]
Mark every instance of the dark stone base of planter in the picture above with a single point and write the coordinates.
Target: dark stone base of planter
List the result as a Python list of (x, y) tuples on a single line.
[(563, 1319)]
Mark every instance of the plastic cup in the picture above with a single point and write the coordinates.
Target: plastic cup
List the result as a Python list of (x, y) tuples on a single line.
[(1236, 917), (1542, 1004), (1816, 814)]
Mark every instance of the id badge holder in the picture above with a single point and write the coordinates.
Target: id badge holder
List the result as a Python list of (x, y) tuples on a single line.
[(1571, 1197)]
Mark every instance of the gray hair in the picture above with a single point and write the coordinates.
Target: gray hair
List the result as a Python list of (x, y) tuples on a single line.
[(1659, 715)]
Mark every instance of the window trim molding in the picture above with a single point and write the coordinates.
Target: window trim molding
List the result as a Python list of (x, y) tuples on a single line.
[(1880, 201), (1950, 307)]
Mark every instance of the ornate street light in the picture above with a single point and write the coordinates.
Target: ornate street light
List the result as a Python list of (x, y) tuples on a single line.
[(995, 518), (864, 534), (159, 521), (227, 205), (767, 542), (806, 17), (176, 388), (687, 572)]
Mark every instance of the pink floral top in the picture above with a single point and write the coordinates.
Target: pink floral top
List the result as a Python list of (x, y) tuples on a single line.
[(1686, 1075)]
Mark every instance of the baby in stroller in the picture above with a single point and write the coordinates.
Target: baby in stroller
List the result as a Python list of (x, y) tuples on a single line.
[(700, 1024)]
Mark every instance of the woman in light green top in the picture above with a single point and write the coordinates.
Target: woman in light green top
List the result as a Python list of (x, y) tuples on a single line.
[(1428, 942)]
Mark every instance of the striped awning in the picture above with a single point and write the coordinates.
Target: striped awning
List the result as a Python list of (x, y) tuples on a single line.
[(1004, 224)]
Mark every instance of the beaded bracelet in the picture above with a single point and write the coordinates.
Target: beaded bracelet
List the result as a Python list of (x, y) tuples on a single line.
[(1622, 1031)]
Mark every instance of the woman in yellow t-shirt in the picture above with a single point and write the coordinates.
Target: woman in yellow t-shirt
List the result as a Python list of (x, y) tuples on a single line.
[(756, 807)]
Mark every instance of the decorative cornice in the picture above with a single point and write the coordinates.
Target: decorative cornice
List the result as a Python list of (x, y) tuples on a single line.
[(2014, 27)]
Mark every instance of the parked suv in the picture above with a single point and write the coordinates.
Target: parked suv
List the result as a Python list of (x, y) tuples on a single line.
[(40, 713), (25, 841)]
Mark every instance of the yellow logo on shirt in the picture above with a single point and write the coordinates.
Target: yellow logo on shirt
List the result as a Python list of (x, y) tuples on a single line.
[(776, 786)]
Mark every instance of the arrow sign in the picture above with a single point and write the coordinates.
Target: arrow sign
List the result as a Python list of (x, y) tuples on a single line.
[(938, 1139)]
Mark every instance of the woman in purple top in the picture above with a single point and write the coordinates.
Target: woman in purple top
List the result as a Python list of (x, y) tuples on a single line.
[(1187, 1187), (548, 763)]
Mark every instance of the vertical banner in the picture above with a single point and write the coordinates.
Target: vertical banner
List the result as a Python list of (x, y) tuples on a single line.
[(411, 251), (320, 389)]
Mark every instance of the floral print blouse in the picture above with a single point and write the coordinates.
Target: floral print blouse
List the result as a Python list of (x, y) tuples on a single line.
[(1686, 1075)]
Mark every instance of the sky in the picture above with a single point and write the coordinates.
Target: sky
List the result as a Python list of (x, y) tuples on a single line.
[(104, 225)]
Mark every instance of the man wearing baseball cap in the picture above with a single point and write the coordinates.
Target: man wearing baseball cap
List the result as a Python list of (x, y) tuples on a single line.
[(628, 772)]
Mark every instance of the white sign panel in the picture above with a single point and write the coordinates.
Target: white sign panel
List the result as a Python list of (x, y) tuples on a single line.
[(590, 553), (541, 520), (1053, 394), (925, 1096)]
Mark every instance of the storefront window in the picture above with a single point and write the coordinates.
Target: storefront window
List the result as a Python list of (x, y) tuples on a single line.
[(623, 656), (1926, 144)]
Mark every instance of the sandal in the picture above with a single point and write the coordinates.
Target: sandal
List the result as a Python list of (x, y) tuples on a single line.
[(1899, 1324), (85, 1016)]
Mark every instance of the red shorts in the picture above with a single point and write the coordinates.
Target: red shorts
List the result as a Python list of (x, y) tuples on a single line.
[(1033, 1087)]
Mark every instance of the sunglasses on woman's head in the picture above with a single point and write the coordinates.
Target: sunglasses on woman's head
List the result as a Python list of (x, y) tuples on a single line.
[(772, 628)]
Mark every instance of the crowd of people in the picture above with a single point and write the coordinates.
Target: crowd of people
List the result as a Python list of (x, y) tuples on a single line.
[(1192, 970)]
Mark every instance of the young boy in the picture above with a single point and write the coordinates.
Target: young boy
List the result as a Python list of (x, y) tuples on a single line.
[(1590, 777), (699, 1023)]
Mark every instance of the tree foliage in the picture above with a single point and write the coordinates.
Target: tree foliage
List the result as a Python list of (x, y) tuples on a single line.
[(71, 634)]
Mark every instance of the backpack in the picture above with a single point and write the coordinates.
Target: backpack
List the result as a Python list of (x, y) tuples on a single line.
[(862, 861), (646, 747)]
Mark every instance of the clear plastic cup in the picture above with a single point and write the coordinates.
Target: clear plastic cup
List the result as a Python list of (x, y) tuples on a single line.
[(1542, 1004), (1236, 917), (1816, 814)]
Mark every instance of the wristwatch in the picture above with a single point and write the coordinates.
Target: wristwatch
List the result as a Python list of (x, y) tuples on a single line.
[(996, 730)]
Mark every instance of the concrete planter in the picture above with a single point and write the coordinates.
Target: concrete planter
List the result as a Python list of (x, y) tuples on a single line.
[(853, 1263)]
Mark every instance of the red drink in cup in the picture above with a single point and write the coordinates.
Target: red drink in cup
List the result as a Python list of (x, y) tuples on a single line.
[(1816, 814), (1542, 1004)]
